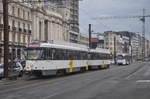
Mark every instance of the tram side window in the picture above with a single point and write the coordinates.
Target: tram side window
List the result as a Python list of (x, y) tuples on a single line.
[(103, 56), (109, 57), (44, 54), (93, 56), (57, 54), (73, 55), (70, 55), (66, 55), (85, 55), (49, 54), (63, 54), (82, 56), (60, 54), (76, 55)]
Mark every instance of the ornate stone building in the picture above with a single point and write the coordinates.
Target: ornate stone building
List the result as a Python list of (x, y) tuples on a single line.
[(111, 39), (34, 21), (73, 7), (20, 24), (47, 23)]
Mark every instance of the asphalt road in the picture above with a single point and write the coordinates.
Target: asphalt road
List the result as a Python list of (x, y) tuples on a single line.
[(118, 82)]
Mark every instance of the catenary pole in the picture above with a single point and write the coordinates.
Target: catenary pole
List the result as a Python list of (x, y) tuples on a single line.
[(6, 38), (90, 46), (143, 35)]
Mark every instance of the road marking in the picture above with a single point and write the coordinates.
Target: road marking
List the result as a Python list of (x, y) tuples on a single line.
[(143, 81), (6, 83)]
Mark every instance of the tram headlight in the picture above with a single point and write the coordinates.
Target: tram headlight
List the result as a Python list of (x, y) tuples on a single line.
[(28, 69)]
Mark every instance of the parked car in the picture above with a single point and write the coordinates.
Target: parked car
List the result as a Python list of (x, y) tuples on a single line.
[(17, 70)]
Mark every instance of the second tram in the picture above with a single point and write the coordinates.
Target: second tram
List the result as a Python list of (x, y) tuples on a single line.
[(99, 58)]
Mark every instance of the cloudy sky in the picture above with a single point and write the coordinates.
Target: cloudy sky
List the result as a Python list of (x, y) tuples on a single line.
[(106, 8)]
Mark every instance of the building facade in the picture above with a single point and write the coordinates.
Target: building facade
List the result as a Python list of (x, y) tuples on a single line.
[(47, 23), (73, 6), (136, 46), (20, 28), (147, 48), (113, 42), (126, 42), (84, 39)]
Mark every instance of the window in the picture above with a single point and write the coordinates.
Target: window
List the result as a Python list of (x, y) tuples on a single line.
[(13, 10), (18, 12), (13, 23), (18, 36), (61, 54), (28, 15), (28, 26), (35, 53), (24, 39), (24, 26), (13, 28), (98, 56), (28, 38), (18, 24), (23, 14), (18, 53)]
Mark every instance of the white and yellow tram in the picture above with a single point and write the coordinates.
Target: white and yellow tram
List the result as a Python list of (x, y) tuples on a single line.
[(54, 59)]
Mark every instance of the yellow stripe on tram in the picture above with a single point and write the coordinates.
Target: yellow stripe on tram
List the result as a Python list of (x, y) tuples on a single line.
[(87, 66), (103, 65), (71, 66)]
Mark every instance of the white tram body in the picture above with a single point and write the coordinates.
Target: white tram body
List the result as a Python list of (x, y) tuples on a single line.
[(99, 58), (51, 59)]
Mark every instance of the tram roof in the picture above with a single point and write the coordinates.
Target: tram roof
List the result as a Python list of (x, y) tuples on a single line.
[(60, 46)]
